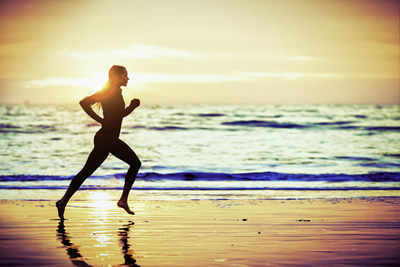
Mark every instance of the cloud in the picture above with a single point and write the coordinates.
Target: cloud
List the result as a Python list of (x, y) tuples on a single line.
[(146, 77), (301, 58), (51, 81), (136, 51), (143, 78), (94, 82), (288, 75), (97, 81)]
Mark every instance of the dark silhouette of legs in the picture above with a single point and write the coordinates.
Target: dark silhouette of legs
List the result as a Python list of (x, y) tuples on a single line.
[(126, 154), (103, 145), (122, 151), (95, 159)]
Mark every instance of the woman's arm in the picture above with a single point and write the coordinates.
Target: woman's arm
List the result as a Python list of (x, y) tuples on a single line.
[(134, 104), (87, 103)]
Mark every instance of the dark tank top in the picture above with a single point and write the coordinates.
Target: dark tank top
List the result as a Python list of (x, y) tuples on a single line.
[(113, 106)]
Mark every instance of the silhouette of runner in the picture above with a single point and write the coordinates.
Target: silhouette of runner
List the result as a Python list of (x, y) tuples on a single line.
[(107, 139)]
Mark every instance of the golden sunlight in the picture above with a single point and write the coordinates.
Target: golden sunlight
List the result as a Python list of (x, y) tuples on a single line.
[(337, 47), (102, 203)]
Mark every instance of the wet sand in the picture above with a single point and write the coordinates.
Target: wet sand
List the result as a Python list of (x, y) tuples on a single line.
[(176, 232)]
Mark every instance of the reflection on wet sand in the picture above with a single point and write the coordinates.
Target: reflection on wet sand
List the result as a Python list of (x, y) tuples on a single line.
[(76, 257), (72, 250), (123, 233)]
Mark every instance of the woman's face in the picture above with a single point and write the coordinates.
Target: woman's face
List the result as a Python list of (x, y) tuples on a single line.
[(123, 78)]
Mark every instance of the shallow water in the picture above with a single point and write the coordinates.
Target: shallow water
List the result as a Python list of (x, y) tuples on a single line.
[(206, 146)]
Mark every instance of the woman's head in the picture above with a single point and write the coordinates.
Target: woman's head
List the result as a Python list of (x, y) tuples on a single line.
[(118, 75)]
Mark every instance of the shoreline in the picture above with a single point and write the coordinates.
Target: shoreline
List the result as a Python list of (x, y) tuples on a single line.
[(175, 195), (202, 232)]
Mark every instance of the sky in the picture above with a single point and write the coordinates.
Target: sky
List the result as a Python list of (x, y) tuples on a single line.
[(202, 52)]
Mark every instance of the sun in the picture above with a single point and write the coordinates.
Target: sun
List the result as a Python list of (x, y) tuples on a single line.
[(94, 83)]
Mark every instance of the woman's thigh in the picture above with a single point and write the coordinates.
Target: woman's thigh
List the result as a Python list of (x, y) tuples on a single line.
[(102, 146), (122, 151)]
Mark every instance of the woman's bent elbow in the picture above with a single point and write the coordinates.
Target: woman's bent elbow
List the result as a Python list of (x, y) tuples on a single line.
[(83, 102)]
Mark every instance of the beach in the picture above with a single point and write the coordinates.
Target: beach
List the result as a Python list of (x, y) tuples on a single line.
[(220, 185), (246, 133), (222, 231)]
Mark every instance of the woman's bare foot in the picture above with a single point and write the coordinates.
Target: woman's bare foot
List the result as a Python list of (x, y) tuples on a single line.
[(61, 209), (125, 206)]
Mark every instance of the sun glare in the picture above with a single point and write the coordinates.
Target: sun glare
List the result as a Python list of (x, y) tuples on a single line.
[(102, 203)]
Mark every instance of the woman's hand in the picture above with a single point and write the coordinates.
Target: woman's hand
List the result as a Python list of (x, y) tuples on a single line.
[(135, 103)]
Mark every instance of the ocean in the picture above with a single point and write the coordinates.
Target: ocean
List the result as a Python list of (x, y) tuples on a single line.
[(264, 151)]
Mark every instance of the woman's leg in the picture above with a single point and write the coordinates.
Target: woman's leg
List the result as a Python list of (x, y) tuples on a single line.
[(122, 151), (102, 146)]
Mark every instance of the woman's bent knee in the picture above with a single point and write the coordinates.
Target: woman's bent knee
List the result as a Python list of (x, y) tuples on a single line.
[(135, 163)]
